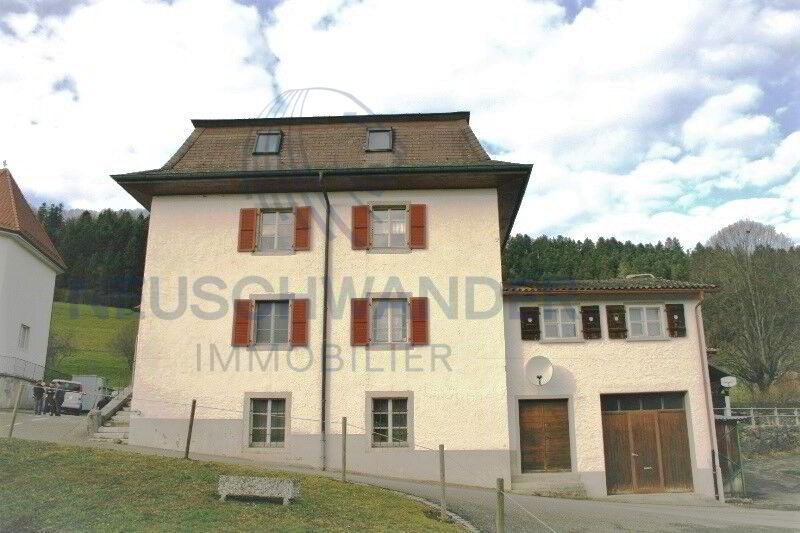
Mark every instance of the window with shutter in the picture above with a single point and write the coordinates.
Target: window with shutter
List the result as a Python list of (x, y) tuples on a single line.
[(676, 320), (529, 323), (417, 233), (360, 227), (590, 316), (615, 316), (302, 228)]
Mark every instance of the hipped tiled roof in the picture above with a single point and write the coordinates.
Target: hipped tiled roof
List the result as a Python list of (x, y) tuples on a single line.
[(17, 216), (619, 285)]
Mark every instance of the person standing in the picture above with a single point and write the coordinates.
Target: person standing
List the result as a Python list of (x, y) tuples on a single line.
[(60, 392), (50, 398), (38, 396)]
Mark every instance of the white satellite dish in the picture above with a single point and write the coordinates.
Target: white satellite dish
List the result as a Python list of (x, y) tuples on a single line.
[(728, 381), (539, 370)]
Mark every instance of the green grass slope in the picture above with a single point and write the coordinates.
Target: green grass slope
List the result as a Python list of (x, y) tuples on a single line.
[(51, 487), (93, 329)]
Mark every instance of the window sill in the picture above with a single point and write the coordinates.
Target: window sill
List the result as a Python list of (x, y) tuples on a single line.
[(270, 347), (390, 446), (273, 252), (646, 339), (389, 250), (563, 341), (389, 347)]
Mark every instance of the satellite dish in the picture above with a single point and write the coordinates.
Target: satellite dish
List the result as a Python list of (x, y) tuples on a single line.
[(539, 370), (728, 381)]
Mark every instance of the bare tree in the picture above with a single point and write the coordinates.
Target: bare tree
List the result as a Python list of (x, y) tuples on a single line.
[(124, 341), (748, 235), (60, 347)]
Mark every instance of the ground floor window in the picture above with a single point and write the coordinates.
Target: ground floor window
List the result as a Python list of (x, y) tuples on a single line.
[(267, 422), (389, 422)]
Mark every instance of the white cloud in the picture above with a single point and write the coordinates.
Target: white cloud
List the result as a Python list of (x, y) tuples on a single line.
[(637, 115)]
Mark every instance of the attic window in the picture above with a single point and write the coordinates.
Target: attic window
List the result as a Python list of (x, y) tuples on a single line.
[(379, 140), (268, 143)]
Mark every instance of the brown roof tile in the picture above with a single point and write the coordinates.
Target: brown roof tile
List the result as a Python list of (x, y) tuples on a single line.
[(619, 285), (18, 217)]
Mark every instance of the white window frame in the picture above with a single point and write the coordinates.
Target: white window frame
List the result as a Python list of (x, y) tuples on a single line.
[(272, 319), (277, 150), (645, 327), (276, 211), (269, 427), (560, 322), (24, 336), (390, 442), (390, 209), (373, 302)]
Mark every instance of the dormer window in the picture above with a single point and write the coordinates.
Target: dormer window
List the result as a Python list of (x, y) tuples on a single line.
[(268, 142), (379, 140)]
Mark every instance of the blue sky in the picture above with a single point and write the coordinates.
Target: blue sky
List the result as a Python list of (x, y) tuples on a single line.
[(644, 119)]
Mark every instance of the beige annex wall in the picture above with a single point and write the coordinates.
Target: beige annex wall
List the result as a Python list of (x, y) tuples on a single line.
[(586, 369)]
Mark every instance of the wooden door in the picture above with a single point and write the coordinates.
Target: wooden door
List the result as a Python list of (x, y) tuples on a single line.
[(646, 447), (544, 435), (645, 451)]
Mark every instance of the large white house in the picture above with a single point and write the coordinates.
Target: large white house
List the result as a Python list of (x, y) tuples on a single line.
[(301, 270), (29, 263)]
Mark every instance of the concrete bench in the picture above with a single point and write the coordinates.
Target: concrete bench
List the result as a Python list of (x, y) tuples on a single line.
[(258, 487)]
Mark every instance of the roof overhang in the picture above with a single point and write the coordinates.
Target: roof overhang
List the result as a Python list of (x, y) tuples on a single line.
[(609, 292), (509, 179)]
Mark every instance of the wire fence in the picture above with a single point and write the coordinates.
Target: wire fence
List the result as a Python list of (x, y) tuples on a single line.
[(74, 428), (24, 369)]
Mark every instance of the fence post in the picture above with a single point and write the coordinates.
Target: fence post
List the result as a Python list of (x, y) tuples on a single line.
[(500, 519), (752, 417), (189, 435), (344, 449), (442, 502), (777, 419), (14, 414)]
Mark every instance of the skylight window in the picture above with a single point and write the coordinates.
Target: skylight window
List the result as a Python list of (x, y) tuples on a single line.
[(379, 140), (268, 143)]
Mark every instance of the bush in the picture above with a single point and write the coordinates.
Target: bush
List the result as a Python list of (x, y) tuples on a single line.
[(760, 440)]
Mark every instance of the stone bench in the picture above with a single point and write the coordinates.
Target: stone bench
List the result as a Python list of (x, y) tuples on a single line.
[(258, 487)]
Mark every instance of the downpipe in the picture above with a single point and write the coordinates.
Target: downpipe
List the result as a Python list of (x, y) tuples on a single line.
[(719, 493), (324, 349)]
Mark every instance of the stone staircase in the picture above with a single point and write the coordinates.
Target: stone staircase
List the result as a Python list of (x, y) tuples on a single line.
[(556, 484), (115, 429)]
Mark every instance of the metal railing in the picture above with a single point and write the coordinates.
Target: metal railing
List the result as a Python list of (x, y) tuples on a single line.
[(765, 416), (21, 368)]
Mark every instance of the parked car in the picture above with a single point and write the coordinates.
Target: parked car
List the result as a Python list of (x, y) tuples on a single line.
[(93, 388), (73, 395)]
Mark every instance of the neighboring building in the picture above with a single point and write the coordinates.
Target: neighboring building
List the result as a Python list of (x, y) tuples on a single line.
[(403, 219), (29, 263)]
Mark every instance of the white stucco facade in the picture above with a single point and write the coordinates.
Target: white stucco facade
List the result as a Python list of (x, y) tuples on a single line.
[(27, 281), (456, 385)]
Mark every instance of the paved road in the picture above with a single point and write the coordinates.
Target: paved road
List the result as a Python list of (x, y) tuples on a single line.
[(524, 513)]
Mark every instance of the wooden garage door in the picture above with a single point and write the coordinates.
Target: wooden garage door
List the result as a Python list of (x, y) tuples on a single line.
[(544, 435), (646, 444)]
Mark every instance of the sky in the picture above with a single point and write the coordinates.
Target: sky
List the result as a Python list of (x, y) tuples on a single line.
[(643, 119)]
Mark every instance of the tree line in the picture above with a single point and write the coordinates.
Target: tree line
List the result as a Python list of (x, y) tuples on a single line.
[(754, 322)]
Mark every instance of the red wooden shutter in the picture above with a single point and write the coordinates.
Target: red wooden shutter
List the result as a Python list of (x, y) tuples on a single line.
[(419, 321), (302, 223), (590, 315), (417, 233), (359, 321), (248, 219), (360, 215), (242, 315), (300, 322)]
